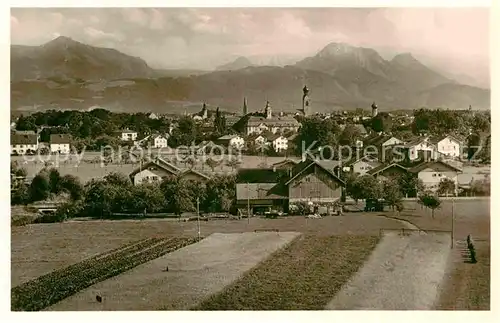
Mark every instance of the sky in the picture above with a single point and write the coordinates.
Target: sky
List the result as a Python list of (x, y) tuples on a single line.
[(456, 39)]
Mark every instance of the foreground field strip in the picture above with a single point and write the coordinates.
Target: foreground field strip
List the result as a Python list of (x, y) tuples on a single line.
[(467, 286), (49, 289), (403, 273), (303, 276), (194, 273)]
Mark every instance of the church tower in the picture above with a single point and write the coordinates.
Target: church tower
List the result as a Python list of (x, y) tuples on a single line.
[(245, 108), (204, 111), (306, 101), (268, 111), (374, 110)]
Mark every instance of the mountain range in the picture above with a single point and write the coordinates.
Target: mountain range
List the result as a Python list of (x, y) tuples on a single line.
[(66, 74)]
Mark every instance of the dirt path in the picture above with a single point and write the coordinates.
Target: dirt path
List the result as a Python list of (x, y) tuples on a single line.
[(403, 273), (195, 272)]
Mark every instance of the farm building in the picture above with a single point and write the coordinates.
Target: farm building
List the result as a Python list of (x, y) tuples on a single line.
[(278, 188), (22, 143), (387, 171), (127, 135), (448, 146), (158, 169), (60, 143), (432, 173), (362, 165), (233, 141)]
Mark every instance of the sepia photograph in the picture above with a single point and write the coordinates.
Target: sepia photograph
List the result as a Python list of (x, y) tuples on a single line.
[(250, 158)]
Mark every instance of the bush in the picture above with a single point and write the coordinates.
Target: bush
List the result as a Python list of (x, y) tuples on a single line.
[(22, 220)]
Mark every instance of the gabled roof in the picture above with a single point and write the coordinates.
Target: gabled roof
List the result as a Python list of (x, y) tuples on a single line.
[(418, 168), (159, 162), (192, 171), (258, 191), (419, 140), (127, 131), (274, 136), (367, 159), (228, 137), (260, 175), (383, 167), (377, 140), (60, 139), (437, 139), (19, 139), (285, 162), (304, 165)]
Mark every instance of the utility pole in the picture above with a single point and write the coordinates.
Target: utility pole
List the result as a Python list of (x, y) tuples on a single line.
[(248, 203), (453, 219), (198, 213)]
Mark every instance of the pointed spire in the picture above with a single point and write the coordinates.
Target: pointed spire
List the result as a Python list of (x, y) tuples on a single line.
[(245, 108)]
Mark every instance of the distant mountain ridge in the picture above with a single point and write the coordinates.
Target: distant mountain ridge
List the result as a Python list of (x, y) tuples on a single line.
[(67, 74), (65, 57), (239, 63)]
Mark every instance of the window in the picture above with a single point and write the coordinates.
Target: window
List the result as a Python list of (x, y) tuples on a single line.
[(434, 175)]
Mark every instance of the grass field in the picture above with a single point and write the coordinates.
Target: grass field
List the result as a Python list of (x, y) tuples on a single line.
[(468, 285), (303, 276), (39, 249), (49, 289), (194, 273)]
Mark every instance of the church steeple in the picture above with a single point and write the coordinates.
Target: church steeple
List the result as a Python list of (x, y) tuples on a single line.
[(268, 111), (245, 108), (306, 104)]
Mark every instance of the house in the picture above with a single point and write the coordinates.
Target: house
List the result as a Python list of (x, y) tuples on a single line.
[(257, 139), (448, 146), (158, 169), (433, 172), (309, 181), (159, 141), (362, 165), (380, 145), (153, 116), (388, 171), (23, 143), (60, 143), (420, 148), (128, 135), (233, 141), (278, 142), (279, 188)]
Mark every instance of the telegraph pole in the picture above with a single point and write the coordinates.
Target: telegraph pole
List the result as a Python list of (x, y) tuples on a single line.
[(198, 213), (248, 203), (453, 219)]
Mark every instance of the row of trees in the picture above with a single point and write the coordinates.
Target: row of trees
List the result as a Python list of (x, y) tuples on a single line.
[(393, 190), (115, 193), (98, 127), (46, 185)]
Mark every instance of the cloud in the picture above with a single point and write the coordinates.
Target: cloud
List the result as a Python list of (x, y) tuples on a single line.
[(101, 35), (135, 15), (157, 21)]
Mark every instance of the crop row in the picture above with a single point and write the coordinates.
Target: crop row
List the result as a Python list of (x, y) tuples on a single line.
[(49, 289)]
